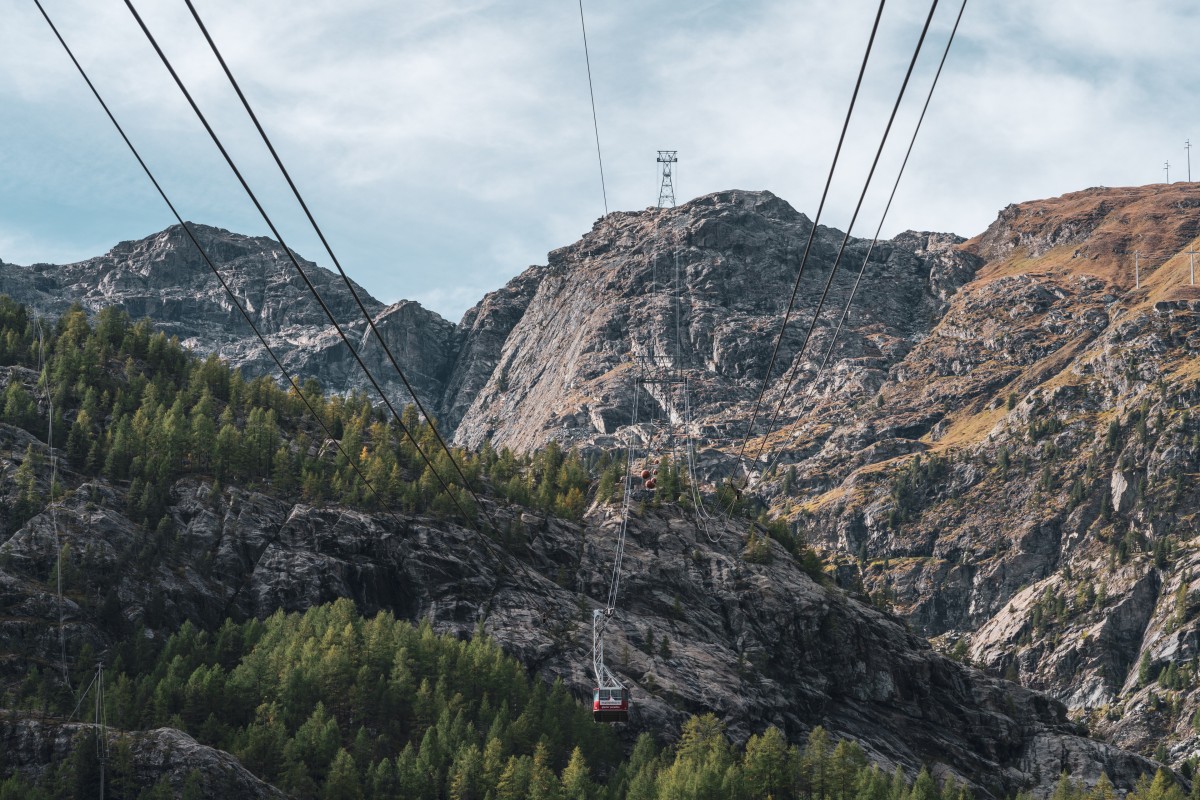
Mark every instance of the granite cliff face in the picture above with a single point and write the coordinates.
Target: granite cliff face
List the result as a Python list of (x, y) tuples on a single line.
[(548, 355), (162, 755), (1003, 447)]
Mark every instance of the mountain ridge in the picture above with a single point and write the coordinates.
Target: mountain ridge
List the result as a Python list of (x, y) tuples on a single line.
[(457, 369), (163, 277), (1006, 421)]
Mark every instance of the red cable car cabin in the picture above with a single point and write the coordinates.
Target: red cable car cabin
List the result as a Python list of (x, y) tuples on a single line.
[(610, 705)]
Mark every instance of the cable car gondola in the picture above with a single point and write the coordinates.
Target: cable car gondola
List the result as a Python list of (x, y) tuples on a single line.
[(610, 698), (610, 704)]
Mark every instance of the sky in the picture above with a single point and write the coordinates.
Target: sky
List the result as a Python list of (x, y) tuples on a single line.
[(446, 145)]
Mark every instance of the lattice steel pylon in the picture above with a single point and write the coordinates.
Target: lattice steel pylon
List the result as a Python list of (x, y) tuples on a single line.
[(666, 189)]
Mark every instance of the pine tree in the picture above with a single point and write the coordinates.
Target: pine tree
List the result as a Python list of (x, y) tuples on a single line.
[(493, 752), (25, 478), (19, 408), (573, 503), (577, 778), (924, 787), (847, 761), (1103, 790), (1161, 787), (872, 784), (758, 548), (514, 779), (544, 785), (466, 774), (381, 779), (814, 764), (342, 782), (1147, 670), (767, 766), (411, 778), (193, 786)]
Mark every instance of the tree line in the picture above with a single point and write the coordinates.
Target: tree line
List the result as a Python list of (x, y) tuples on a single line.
[(329, 704), (132, 405)]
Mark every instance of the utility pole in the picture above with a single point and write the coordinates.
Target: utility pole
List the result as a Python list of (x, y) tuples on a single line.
[(666, 189), (1137, 273), (1192, 265), (1187, 145), (1167, 169)]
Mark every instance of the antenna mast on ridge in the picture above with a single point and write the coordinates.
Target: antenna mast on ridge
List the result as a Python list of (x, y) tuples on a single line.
[(666, 189)]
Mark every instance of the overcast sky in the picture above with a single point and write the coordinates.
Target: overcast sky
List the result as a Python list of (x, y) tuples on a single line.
[(444, 146)]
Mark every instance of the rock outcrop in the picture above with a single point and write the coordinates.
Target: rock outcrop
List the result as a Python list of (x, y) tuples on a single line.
[(163, 755), (1002, 450), (549, 354), (1020, 486)]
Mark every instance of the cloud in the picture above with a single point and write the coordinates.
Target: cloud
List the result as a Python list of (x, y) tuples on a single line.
[(445, 147)]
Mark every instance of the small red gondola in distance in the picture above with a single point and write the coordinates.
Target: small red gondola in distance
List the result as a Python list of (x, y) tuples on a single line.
[(610, 705)]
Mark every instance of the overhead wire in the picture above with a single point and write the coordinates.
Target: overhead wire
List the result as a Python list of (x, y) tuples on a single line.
[(787, 315), (95, 675), (488, 545), (429, 419), (212, 266), (883, 217), (300, 270), (846, 238), (44, 373), (592, 93), (689, 460), (238, 305)]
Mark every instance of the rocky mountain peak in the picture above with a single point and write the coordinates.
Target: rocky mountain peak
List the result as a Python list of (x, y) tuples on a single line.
[(172, 249), (1019, 484), (549, 353), (704, 287)]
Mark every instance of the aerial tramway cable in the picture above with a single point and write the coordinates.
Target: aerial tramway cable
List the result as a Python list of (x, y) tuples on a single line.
[(592, 94), (300, 270), (44, 373), (211, 265), (846, 238), (346, 279), (689, 460), (328, 249), (858, 279), (611, 698), (787, 315)]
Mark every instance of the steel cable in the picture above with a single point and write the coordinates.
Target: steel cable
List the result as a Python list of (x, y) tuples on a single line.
[(812, 232), (592, 93), (209, 262), (328, 249), (296, 263), (883, 217), (846, 238)]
